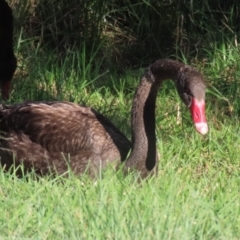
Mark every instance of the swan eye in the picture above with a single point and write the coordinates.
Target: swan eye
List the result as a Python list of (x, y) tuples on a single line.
[(187, 97), (187, 90)]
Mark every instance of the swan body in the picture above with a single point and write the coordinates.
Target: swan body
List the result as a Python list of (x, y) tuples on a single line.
[(53, 136)]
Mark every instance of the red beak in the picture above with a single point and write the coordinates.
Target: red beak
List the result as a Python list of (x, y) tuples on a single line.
[(6, 90), (197, 110)]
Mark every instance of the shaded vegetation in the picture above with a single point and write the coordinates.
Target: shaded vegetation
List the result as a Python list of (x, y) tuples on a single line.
[(127, 33)]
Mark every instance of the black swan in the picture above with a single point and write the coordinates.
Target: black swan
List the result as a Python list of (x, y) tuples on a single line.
[(52, 136), (8, 61)]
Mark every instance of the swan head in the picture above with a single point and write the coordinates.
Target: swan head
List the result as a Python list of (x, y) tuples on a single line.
[(191, 89)]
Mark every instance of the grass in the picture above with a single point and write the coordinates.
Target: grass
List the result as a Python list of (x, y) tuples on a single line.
[(196, 193), (192, 198)]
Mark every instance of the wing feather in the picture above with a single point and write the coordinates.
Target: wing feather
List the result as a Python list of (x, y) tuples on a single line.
[(60, 126)]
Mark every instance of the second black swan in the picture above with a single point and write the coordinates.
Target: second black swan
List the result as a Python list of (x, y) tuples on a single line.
[(8, 61)]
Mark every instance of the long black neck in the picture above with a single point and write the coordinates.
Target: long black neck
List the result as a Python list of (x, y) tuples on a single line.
[(144, 155), (6, 31)]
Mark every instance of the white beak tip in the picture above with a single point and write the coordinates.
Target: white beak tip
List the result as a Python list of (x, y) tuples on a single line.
[(202, 128)]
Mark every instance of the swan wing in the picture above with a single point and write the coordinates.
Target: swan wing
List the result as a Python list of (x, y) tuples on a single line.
[(56, 126)]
